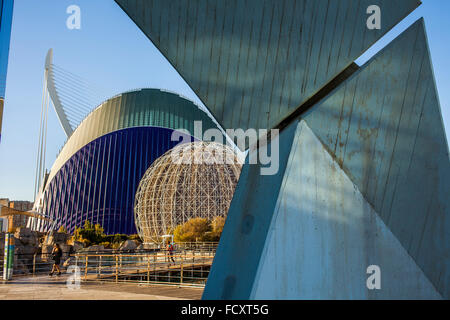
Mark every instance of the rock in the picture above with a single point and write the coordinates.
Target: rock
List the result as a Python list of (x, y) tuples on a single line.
[(128, 245), (26, 250), (145, 246), (18, 246), (48, 239), (65, 247), (60, 237), (22, 232), (46, 252), (65, 250), (55, 237), (77, 246), (26, 236), (94, 248)]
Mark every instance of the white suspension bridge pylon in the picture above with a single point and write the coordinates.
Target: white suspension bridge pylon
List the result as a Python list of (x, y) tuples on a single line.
[(73, 98)]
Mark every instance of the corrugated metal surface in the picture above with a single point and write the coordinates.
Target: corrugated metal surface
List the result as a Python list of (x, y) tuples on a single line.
[(146, 107), (98, 183), (253, 62), (384, 127)]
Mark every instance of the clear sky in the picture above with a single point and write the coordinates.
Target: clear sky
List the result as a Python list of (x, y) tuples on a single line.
[(114, 54)]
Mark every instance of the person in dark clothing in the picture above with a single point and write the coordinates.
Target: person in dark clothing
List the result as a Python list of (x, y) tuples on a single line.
[(56, 256), (170, 251)]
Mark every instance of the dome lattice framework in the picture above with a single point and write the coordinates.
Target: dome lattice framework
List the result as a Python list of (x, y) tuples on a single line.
[(192, 180)]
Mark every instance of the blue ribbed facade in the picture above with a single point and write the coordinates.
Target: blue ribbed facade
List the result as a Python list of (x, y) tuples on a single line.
[(6, 15), (99, 181), (97, 172)]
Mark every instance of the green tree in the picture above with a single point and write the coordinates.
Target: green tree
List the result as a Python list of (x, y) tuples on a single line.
[(90, 233)]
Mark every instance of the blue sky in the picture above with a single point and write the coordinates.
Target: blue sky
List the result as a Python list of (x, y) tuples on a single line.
[(114, 54)]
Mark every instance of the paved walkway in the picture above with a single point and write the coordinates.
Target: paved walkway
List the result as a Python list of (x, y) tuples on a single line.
[(55, 288)]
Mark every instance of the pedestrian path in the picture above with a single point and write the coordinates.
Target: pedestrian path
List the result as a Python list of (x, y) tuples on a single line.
[(56, 288)]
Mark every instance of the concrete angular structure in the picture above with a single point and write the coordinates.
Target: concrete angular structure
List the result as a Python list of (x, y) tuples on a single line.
[(384, 127), (336, 236), (253, 63), (245, 232), (381, 131), (321, 237)]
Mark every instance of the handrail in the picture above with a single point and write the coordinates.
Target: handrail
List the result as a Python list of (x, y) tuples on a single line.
[(187, 267)]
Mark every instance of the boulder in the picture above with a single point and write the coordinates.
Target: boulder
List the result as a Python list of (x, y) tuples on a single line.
[(94, 248), (55, 237), (60, 237), (77, 246), (26, 236), (46, 252), (128, 245), (65, 250), (22, 231), (26, 250), (145, 246), (48, 239)]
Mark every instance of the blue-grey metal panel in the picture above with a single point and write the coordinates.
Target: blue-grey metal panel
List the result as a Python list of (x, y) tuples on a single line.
[(253, 62), (384, 127), (245, 231), (324, 235)]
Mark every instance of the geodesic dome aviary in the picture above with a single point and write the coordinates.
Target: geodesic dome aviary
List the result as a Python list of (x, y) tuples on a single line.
[(192, 180)]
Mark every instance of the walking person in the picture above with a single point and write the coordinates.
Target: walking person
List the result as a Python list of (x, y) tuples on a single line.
[(169, 248), (56, 256)]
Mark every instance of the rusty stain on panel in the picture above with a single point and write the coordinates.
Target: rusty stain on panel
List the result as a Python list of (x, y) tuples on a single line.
[(397, 159)]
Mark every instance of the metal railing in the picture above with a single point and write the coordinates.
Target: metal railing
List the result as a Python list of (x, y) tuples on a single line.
[(30, 264), (204, 246), (188, 265)]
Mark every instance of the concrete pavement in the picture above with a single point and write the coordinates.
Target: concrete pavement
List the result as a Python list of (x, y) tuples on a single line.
[(55, 288)]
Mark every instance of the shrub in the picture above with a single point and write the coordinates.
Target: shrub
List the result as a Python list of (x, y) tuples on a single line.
[(134, 237), (199, 229), (86, 242), (105, 244), (94, 234), (193, 230), (118, 238), (115, 245)]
